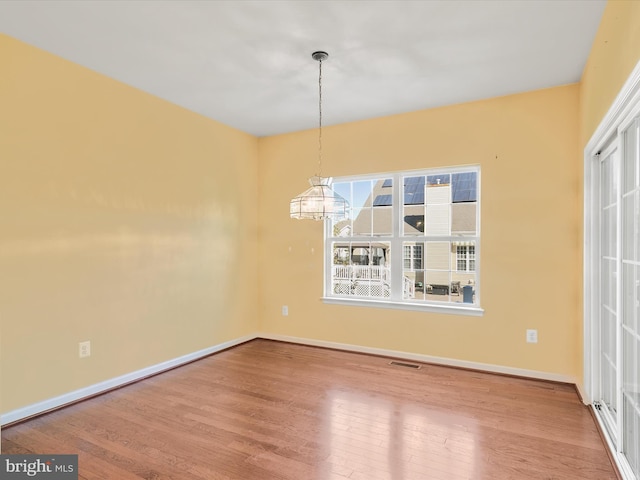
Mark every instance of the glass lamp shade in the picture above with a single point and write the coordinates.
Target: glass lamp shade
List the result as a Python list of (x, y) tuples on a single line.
[(318, 202)]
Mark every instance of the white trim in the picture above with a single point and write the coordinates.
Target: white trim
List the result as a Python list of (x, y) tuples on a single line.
[(586, 400), (621, 462), (418, 357), (446, 307), (97, 388)]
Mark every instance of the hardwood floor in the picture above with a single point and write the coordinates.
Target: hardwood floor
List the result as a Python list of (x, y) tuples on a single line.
[(269, 410)]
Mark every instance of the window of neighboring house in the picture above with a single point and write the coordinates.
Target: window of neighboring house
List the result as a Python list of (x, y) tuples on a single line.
[(413, 257), (466, 258), (410, 240)]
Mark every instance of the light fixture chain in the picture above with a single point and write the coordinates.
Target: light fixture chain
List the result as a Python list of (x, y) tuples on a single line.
[(320, 121), (319, 202)]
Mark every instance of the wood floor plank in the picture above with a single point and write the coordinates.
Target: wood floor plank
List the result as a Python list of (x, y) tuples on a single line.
[(269, 410)]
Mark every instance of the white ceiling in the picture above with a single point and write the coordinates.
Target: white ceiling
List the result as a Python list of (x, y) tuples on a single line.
[(248, 63)]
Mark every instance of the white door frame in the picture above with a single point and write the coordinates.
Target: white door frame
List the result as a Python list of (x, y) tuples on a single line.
[(625, 106)]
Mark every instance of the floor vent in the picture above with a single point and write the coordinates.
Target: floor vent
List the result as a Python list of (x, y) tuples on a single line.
[(403, 364)]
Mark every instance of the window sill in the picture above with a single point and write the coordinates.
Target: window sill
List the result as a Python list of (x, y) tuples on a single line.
[(471, 310)]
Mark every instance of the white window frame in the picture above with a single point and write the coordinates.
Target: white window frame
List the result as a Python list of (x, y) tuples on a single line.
[(396, 240)]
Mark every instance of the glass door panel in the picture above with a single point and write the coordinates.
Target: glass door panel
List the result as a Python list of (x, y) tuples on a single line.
[(630, 331), (608, 351)]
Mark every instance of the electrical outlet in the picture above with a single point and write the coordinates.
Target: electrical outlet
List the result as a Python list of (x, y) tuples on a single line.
[(532, 336), (285, 310), (84, 349)]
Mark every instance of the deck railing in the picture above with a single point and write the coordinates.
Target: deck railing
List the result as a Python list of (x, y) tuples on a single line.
[(367, 281), (363, 272)]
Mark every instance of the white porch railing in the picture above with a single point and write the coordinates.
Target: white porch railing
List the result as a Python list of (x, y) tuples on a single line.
[(408, 288), (367, 281), (363, 272), (361, 280)]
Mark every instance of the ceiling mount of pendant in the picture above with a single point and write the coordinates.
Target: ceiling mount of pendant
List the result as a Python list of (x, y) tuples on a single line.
[(319, 55)]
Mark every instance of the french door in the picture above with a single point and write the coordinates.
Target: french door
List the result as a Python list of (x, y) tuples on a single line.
[(612, 287)]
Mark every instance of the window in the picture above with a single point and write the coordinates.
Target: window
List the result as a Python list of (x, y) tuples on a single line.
[(410, 241), (413, 257), (466, 258)]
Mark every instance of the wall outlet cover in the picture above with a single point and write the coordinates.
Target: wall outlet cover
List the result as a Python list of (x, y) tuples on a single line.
[(532, 336), (84, 349)]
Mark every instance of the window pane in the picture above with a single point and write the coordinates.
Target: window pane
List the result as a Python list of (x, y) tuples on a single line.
[(382, 213), (631, 297), (415, 279), (437, 220), (631, 226), (370, 208), (361, 269), (361, 207), (382, 221), (361, 193), (341, 270), (631, 177), (439, 194), (631, 400), (342, 228), (343, 189), (438, 256), (464, 218), (413, 223), (437, 284), (438, 270), (413, 274), (362, 221), (608, 241), (442, 179), (464, 187), (608, 282), (414, 190), (341, 254), (609, 172)]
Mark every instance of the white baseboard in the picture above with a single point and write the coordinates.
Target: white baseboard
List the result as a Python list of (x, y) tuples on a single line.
[(582, 394), (92, 390), (449, 362), (71, 397), (621, 462)]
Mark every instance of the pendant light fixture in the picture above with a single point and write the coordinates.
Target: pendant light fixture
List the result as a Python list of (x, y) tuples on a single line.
[(319, 201)]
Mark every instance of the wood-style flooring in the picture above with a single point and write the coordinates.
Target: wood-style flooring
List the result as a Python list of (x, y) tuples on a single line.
[(270, 410)]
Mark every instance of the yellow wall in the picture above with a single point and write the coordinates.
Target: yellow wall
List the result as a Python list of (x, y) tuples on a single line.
[(614, 54), (526, 146), (126, 220)]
